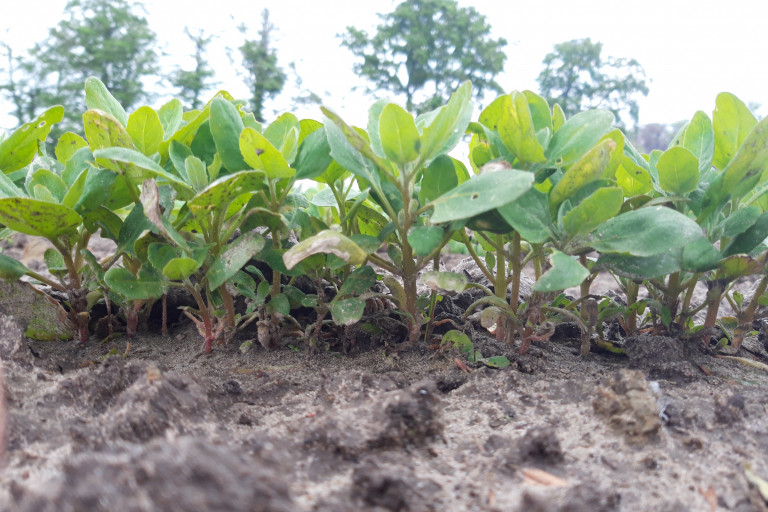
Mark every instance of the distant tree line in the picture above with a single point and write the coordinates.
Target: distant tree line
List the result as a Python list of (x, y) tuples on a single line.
[(420, 52), (112, 40)]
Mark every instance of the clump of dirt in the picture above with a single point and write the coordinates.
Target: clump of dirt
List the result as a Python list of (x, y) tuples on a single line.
[(664, 357), (185, 475), (630, 405), (388, 482), (578, 498)]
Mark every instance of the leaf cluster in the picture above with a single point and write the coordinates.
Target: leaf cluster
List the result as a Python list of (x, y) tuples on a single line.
[(207, 201)]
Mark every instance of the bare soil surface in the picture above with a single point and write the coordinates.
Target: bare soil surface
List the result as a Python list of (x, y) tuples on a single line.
[(670, 427)]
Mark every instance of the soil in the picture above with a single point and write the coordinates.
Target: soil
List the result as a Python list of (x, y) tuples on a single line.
[(669, 427)]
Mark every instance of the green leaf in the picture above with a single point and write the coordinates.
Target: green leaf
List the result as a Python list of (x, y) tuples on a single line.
[(104, 131), (218, 195), (104, 219), (97, 96), (234, 257), (260, 154), (146, 130), (178, 154), (742, 173), (20, 148), (96, 190), (699, 138), (346, 146), (159, 254), (49, 180), (226, 126), (170, 115), (279, 304), (748, 164), (641, 267), (517, 131), (603, 204), (741, 220), (374, 117), (746, 241), (739, 265), (481, 194), (347, 311), (147, 286), (10, 268), (329, 242), (67, 145), (196, 173), (731, 121), (700, 256), (425, 239), (495, 362), (38, 218), (540, 113), (141, 168), (678, 171), (632, 178), (588, 169), (180, 268), (529, 215), (565, 273), (447, 128), (135, 224), (445, 281), (314, 155), (459, 340), (283, 134), (577, 135), (400, 138), (358, 281), (185, 134), (439, 177), (645, 232)]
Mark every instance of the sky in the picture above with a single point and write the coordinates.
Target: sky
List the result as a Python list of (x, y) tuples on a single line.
[(690, 50)]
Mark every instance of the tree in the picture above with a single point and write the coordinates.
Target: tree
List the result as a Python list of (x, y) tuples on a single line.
[(102, 38), (20, 87), (578, 77), (264, 77), (655, 136), (425, 49), (192, 84)]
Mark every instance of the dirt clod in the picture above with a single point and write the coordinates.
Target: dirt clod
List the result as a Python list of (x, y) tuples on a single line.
[(413, 416), (185, 475), (579, 498), (629, 404), (377, 482), (730, 408)]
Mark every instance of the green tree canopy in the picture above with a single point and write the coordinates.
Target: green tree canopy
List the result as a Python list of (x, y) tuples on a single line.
[(264, 77), (108, 39), (425, 49), (578, 77), (192, 84)]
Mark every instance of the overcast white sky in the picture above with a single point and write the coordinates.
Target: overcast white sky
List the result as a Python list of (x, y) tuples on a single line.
[(691, 50)]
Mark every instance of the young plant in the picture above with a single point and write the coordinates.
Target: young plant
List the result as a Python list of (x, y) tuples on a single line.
[(60, 200), (390, 162)]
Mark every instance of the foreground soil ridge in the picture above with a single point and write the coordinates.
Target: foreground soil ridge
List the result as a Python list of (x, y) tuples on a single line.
[(161, 429)]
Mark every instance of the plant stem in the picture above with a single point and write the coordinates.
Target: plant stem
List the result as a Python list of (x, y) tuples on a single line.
[(515, 270), (584, 287), (432, 303), (475, 257), (747, 316), (632, 291)]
